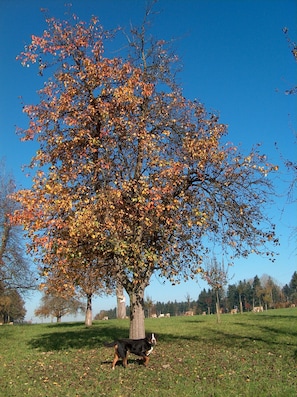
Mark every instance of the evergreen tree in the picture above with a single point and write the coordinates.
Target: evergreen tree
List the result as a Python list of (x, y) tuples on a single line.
[(293, 288), (257, 288)]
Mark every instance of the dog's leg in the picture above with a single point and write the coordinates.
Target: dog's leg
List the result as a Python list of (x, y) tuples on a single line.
[(116, 357), (125, 361), (146, 360)]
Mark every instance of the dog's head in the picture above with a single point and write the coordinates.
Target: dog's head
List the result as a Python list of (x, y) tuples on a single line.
[(152, 338)]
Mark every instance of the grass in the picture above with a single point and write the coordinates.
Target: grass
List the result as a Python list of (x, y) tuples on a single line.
[(245, 355)]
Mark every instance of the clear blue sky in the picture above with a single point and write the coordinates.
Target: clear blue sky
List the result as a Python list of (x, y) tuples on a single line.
[(236, 60)]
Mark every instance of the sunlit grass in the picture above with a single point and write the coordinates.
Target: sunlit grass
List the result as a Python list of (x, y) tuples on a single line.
[(245, 355)]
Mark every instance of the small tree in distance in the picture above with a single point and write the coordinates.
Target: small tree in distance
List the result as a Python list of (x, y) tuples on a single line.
[(217, 277), (136, 173), (12, 306), (57, 306)]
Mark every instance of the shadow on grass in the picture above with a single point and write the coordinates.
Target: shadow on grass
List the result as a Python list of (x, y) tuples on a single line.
[(269, 339), (269, 330), (76, 336), (73, 336)]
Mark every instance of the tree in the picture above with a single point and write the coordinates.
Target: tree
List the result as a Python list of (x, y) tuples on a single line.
[(216, 277), (293, 282), (257, 290), (146, 171), (12, 306), (289, 163), (188, 298), (293, 288), (149, 304), (15, 271), (293, 47), (271, 291), (232, 296), (240, 295), (240, 289), (57, 306), (205, 301), (78, 273)]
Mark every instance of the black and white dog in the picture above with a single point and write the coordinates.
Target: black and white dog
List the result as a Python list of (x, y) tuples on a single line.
[(139, 347)]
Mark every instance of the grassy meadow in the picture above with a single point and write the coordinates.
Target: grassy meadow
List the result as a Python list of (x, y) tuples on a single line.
[(244, 355)]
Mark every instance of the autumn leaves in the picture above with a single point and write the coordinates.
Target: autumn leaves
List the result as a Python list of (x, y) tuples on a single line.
[(130, 175)]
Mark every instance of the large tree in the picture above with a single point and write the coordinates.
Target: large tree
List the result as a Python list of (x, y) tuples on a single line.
[(131, 167)]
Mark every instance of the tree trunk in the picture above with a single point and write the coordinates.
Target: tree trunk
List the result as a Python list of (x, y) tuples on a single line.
[(240, 304), (137, 329), (88, 318), (218, 306), (4, 238), (121, 302)]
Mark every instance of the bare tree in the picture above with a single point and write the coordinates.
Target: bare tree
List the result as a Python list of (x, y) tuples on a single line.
[(216, 276), (15, 270)]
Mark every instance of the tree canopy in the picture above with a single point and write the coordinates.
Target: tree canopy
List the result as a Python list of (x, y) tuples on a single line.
[(131, 176)]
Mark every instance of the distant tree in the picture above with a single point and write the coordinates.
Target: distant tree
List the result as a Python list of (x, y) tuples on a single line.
[(232, 296), (216, 275), (247, 295), (271, 291), (81, 274), (257, 291), (293, 288), (57, 306), (12, 306), (240, 295), (149, 304), (267, 293), (293, 282), (103, 314), (15, 271), (240, 289), (148, 172), (188, 298), (286, 290), (206, 301)]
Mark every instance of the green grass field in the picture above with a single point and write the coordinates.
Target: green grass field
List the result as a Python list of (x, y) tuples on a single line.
[(245, 355)]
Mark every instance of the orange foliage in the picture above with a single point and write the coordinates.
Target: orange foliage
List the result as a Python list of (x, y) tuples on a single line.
[(136, 176)]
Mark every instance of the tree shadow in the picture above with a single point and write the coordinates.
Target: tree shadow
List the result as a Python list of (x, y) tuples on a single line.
[(77, 336), (269, 330), (73, 336), (268, 316), (267, 335)]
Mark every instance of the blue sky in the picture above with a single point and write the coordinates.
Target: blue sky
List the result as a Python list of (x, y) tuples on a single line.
[(236, 61)]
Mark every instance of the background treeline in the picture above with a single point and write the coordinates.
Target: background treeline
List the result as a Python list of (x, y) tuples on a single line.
[(244, 296)]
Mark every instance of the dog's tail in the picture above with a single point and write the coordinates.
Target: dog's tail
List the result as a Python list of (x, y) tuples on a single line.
[(110, 344)]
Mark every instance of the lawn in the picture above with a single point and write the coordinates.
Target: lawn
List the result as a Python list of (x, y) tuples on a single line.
[(245, 355)]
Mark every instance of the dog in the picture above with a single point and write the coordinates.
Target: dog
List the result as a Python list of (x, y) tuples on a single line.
[(139, 347)]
